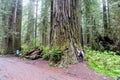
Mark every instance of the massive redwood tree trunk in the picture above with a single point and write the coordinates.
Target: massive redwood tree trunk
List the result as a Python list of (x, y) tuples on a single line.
[(66, 29)]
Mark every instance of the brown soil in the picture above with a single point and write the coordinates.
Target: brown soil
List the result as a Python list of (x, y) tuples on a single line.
[(12, 68)]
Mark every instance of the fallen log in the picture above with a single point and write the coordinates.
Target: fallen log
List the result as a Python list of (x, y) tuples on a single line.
[(35, 54)]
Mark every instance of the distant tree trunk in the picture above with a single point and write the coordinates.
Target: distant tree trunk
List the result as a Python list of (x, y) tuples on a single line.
[(45, 14), (17, 44), (31, 24), (51, 22), (44, 31), (105, 17), (14, 26), (66, 29), (36, 22), (108, 10), (11, 27), (4, 26), (88, 22)]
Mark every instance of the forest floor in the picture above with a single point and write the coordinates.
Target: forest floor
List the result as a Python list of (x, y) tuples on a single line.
[(12, 68)]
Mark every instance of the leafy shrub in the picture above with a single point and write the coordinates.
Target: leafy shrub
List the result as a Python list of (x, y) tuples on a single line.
[(55, 55), (46, 49), (51, 54), (36, 42), (46, 56), (105, 62), (26, 49), (46, 53)]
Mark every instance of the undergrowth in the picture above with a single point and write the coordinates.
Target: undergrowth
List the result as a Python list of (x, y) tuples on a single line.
[(53, 55), (107, 62), (26, 49)]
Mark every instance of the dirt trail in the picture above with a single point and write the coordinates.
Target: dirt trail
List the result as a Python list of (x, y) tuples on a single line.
[(12, 68)]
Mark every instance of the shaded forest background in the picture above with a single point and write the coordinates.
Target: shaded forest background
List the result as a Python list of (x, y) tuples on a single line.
[(99, 20)]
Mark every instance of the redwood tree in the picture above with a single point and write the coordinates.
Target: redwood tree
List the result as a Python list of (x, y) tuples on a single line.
[(14, 26), (4, 25), (17, 44), (65, 29), (31, 24)]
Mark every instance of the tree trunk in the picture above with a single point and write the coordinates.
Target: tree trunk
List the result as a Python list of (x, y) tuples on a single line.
[(36, 22), (51, 21), (11, 27), (45, 16), (31, 24), (105, 17), (14, 26), (66, 29), (17, 44), (4, 30), (44, 31)]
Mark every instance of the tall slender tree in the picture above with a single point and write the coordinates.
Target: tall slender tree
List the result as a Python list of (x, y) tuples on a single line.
[(4, 24), (36, 21), (31, 23), (17, 44), (106, 17), (45, 19)]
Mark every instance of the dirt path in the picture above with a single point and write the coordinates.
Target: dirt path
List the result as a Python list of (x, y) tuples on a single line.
[(12, 68)]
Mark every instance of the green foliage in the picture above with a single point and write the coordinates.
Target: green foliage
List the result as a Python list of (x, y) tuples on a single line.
[(46, 56), (36, 42), (105, 62), (3, 51), (6, 54), (26, 49), (46, 53), (54, 55)]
